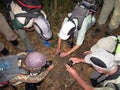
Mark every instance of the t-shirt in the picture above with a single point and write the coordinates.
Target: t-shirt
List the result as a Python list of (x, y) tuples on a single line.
[(87, 23), (80, 34)]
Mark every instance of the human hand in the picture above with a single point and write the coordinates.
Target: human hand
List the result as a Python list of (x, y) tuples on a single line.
[(50, 67), (71, 70), (74, 60), (57, 50), (63, 54)]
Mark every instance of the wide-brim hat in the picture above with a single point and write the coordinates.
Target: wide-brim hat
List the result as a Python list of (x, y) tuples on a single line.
[(66, 30), (35, 60), (101, 59), (106, 43)]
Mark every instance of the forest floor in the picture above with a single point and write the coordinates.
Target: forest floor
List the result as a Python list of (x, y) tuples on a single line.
[(59, 78)]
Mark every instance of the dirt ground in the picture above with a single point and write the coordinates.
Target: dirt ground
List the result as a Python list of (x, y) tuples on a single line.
[(58, 78)]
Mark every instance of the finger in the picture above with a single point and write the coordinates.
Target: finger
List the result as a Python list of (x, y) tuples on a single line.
[(67, 66)]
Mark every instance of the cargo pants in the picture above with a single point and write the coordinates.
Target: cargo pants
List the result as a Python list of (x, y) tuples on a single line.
[(6, 30)]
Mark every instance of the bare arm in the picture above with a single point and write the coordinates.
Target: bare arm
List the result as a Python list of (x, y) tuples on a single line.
[(77, 60), (63, 54), (81, 82), (32, 79), (58, 46)]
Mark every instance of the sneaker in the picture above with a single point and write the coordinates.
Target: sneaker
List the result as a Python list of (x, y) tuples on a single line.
[(94, 33), (47, 43), (14, 42), (29, 51), (106, 34)]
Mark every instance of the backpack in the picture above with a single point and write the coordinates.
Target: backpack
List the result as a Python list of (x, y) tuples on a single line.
[(114, 86), (81, 10), (30, 5), (105, 80), (24, 15)]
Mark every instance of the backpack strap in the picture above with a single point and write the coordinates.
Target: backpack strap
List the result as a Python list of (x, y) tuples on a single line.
[(112, 85), (95, 81), (28, 16), (117, 43), (116, 87)]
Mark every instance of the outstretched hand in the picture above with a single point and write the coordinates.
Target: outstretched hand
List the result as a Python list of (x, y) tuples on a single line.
[(75, 60), (57, 51), (71, 70), (63, 54)]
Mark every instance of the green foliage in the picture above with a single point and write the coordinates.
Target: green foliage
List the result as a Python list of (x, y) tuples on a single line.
[(2, 6)]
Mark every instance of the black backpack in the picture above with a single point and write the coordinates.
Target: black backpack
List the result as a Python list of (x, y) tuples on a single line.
[(30, 5)]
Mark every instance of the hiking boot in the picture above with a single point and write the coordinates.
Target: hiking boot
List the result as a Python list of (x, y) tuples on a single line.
[(94, 33), (47, 43), (98, 29), (29, 51), (107, 33), (5, 52), (18, 45), (14, 43)]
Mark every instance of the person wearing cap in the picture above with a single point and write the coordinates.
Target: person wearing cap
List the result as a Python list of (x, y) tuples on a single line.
[(9, 35), (75, 26), (104, 64), (14, 69)]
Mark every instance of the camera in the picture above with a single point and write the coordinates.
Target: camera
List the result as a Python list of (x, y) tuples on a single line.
[(48, 63), (70, 63)]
